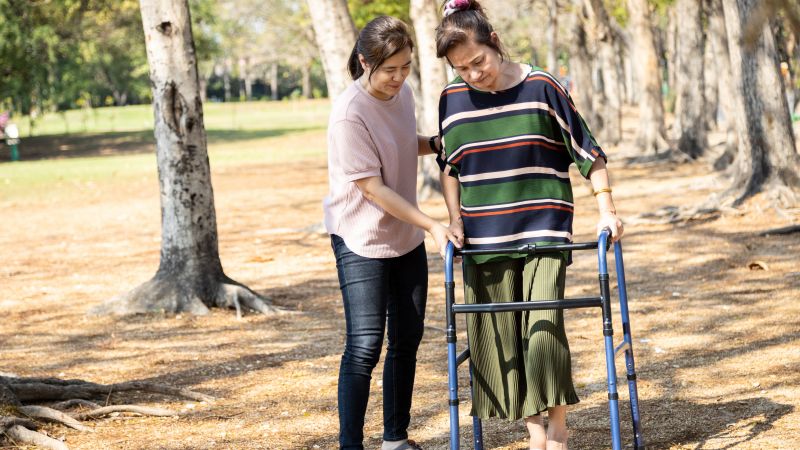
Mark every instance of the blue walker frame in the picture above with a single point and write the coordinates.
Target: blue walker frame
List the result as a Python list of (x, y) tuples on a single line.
[(603, 301)]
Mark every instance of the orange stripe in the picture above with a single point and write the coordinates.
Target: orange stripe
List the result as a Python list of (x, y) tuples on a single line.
[(504, 146), (512, 211), (453, 91)]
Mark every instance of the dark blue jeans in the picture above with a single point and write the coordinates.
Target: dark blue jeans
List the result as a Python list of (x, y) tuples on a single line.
[(380, 294)]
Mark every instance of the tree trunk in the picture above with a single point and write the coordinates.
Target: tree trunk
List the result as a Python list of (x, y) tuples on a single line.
[(690, 124), (335, 35), (609, 68), (246, 77), (226, 80), (433, 78), (190, 276), (710, 87), (552, 37), (305, 70), (651, 134), (273, 80), (580, 68), (767, 159), (718, 37)]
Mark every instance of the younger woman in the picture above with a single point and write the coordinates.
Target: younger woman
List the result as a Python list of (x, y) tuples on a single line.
[(376, 230)]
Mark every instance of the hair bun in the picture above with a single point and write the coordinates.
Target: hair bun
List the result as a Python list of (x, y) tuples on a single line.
[(452, 6)]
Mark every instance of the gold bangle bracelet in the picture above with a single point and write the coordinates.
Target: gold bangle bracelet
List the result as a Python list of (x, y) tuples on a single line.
[(601, 190)]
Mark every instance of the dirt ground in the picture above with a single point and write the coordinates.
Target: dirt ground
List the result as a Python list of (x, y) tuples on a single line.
[(714, 310)]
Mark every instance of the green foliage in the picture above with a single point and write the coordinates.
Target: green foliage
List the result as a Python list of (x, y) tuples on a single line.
[(363, 11)]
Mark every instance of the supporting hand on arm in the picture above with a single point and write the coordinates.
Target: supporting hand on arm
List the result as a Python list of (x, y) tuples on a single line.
[(391, 202)]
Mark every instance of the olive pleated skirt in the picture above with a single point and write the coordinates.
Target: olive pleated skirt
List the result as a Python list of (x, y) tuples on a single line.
[(520, 360)]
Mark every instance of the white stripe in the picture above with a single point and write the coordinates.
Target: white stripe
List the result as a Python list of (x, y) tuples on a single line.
[(518, 236), (513, 205), (495, 110), (513, 172), (469, 145)]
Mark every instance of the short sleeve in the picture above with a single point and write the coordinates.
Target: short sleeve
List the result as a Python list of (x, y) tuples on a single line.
[(581, 145), (356, 152)]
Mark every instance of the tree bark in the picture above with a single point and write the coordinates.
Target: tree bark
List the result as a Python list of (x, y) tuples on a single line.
[(767, 159), (718, 37), (273, 80), (305, 70), (335, 35), (609, 69), (580, 68), (190, 276), (552, 37), (651, 133), (433, 78), (690, 124)]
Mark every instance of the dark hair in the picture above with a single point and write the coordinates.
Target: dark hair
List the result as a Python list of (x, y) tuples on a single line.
[(378, 41), (468, 23)]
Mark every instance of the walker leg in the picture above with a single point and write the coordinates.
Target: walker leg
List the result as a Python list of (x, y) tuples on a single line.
[(608, 335), (477, 426), (638, 440)]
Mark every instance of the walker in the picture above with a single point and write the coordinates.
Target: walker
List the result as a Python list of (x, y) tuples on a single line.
[(603, 302)]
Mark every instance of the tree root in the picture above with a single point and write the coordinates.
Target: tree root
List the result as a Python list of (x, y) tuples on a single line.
[(52, 415), (73, 393), (50, 389), (22, 435), (141, 410), (163, 294)]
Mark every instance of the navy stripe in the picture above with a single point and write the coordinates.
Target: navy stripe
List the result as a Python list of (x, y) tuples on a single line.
[(506, 224), (513, 158), (527, 176)]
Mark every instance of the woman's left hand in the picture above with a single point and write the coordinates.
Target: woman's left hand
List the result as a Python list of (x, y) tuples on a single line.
[(609, 219)]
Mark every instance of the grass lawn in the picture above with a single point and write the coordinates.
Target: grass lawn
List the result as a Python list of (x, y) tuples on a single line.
[(119, 145)]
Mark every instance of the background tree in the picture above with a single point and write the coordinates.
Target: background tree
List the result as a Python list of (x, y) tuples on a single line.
[(650, 130), (190, 276), (335, 36), (767, 159), (690, 123), (433, 78)]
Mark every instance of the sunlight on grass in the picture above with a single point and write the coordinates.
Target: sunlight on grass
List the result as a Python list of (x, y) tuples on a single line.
[(271, 133), (262, 115)]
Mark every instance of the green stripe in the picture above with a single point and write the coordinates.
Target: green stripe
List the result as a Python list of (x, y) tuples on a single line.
[(499, 128), (514, 191)]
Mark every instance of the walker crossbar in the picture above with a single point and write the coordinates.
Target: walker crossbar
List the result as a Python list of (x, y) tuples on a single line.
[(603, 302)]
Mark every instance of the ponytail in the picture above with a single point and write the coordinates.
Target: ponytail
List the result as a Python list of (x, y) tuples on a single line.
[(353, 64)]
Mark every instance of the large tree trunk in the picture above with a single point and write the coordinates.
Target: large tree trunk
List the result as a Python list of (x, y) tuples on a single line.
[(651, 133), (767, 159), (335, 34), (690, 124), (580, 67), (718, 37), (433, 77), (611, 79), (190, 277)]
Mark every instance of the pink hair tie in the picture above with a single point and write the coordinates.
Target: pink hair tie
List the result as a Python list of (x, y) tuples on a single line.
[(454, 6)]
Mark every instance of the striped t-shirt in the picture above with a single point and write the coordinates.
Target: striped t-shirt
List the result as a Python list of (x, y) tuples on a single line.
[(511, 152)]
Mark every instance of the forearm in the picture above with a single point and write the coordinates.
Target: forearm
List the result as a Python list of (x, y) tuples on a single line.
[(424, 145), (452, 198), (396, 205), (601, 186)]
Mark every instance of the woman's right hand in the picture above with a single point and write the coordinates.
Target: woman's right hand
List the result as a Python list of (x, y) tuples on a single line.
[(442, 235)]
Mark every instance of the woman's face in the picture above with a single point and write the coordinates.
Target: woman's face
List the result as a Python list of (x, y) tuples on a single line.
[(477, 64), (385, 82)]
